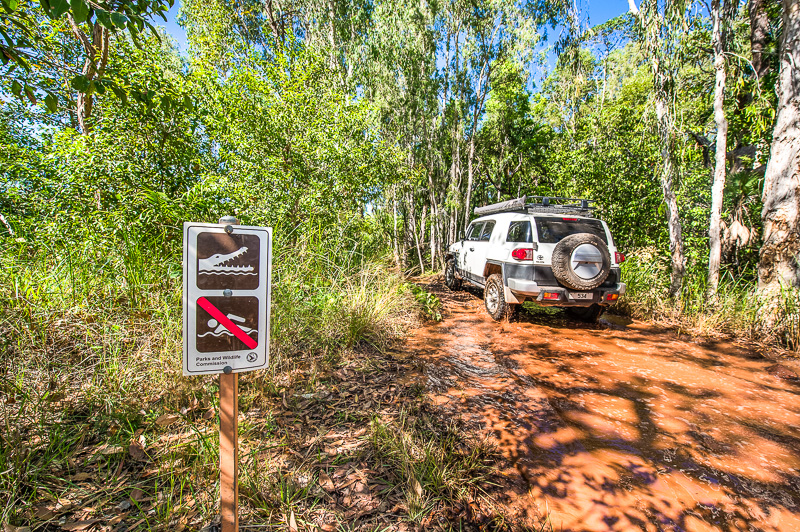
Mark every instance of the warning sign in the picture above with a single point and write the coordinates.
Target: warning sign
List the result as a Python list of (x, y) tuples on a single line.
[(227, 261), (226, 298)]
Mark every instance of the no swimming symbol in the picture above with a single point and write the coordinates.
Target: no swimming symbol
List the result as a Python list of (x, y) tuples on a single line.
[(223, 320)]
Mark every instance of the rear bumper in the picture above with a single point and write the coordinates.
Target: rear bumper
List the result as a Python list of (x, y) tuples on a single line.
[(525, 289)]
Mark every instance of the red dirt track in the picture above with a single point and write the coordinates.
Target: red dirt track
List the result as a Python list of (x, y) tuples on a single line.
[(619, 426)]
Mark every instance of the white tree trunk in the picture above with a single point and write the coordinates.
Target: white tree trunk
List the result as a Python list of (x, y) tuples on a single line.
[(677, 269), (468, 199), (779, 267), (419, 243), (434, 216), (396, 246), (651, 26), (718, 187), (483, 79)]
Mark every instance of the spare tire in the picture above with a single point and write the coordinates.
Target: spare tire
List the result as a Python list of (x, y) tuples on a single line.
[(581, 261)]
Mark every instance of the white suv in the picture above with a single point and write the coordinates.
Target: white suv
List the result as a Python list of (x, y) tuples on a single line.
[(551, 251)]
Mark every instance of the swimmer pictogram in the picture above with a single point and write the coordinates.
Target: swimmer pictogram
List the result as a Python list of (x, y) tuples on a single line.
[(223, 324)]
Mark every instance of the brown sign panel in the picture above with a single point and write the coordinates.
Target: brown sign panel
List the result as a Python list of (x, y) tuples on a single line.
[(226, 323), (228, 261)]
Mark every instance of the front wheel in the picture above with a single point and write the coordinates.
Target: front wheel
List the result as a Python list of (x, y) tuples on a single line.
[(494, 298), (450, 280), (588, 314)]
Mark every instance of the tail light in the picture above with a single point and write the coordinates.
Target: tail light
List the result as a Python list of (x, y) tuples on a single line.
[(551, 295), (523, 254), (570, 219), (619, 258), (612, 297)]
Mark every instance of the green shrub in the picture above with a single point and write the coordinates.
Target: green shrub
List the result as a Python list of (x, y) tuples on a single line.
[(737, 309), (429, 303)]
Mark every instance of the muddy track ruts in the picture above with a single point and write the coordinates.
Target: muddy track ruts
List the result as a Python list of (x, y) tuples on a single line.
[(620, 425)]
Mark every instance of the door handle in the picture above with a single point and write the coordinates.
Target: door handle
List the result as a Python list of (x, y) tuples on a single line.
[(472, 249)]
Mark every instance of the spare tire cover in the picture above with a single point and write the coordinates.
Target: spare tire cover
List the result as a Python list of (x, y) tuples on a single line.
[(581, 261)]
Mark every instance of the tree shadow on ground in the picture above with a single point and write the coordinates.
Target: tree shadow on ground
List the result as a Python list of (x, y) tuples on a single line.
[(620, 428)]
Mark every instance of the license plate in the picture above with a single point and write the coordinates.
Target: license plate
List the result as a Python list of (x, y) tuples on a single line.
[(581, 296)]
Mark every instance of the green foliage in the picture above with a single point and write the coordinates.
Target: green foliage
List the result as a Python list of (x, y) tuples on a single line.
[(429, 303), (40, 43), (735, 312)]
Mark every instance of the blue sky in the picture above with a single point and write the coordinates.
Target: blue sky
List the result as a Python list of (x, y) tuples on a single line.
[(599, 12), (173, 28)]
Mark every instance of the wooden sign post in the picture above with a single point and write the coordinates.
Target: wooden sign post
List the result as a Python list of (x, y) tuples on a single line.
[(226, 302), (228, 451)]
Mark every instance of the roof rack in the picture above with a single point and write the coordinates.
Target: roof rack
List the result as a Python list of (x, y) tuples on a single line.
[(542, 204)]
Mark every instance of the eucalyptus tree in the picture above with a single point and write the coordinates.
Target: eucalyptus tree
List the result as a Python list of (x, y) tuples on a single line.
[(425, 66), (598, 142), (34, 56), (779, 266), (721, 16), (759, 36), (661, 38), (500, 31), (508, 137)]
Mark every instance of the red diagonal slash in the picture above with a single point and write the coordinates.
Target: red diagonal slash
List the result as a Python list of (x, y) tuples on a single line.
[(228, 324)]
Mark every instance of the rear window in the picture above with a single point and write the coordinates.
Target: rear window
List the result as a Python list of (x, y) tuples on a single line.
[(519, 232), (552, 230)]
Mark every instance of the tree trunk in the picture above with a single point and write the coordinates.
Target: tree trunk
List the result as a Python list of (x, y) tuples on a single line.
[(93, 68), (434, 216), (480, 96), (651, 25), (677, 268), (759, 30), (404, 241), (419, 239), (470, 157), (412, 218), (718, 187), (779, 265), (396, 246), (332, 36)]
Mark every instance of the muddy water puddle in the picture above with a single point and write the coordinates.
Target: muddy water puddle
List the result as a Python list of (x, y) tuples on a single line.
[(620, 426)]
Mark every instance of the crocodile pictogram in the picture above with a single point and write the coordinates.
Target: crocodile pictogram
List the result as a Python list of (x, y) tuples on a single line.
[(215, 264)]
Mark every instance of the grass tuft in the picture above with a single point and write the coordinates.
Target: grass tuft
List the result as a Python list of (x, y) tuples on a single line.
[(430, 463), (737, 310)]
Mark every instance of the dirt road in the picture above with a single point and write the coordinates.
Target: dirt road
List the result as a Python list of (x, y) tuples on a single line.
[(620, 426)]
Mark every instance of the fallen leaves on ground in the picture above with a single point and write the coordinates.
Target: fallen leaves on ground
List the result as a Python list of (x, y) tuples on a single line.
[(167, 420), (307, 438), (77, 526)]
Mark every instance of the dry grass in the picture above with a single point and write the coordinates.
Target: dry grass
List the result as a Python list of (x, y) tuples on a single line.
[(737, 310)]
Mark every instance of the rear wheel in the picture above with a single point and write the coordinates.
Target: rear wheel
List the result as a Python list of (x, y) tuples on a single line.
[(494, 298), (450, 280), (588, 314)]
